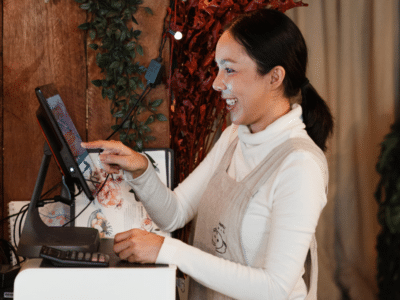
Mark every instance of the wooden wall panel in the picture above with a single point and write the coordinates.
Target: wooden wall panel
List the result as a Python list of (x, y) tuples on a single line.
[(2, 204), (41, 44), (100, 119)]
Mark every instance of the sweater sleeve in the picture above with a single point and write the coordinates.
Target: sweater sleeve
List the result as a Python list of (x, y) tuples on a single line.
[(171, 210)]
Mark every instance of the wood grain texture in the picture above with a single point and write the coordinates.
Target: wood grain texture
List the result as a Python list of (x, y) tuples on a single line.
[(2, 203), (99, 117), (41, 45)]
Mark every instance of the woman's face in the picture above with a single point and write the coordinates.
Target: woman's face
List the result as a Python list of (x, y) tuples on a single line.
[(240, 83)]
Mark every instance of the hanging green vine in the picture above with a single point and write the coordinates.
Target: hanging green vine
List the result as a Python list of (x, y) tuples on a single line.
[(117, 47), (388, 198)]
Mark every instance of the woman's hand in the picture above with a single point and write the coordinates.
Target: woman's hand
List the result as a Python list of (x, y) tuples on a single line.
[(138, 245), (116, 155)]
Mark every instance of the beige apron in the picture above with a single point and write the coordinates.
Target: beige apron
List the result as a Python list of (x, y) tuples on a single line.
[(221, 211)]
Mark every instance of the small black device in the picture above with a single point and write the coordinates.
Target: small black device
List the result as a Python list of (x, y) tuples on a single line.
[(67, 258), (63, 143)]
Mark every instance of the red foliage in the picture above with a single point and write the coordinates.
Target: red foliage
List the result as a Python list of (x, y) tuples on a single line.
[(197, 110)]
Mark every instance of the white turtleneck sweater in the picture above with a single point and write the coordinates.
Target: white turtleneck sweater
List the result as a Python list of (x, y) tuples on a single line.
[(285, 211)]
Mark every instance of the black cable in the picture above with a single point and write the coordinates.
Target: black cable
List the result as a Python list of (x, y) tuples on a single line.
[(22, 212), (10, 248), (150, 84), (140, 98), (105, 180), (134, 106), (9, 217), (23, 209), (51, 189)]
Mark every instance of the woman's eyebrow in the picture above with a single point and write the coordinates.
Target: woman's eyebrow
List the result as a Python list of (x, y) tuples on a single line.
[(223, 61)]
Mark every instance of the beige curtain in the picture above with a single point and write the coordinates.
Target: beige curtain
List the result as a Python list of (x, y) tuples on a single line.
[(353, 64)]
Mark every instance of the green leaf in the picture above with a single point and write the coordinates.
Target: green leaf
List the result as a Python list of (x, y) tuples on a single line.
[(161, 117), (134, 20), (136, 33), (109, 32), (116, 5), (122, 81), (140, 110), (92, 34), (139, 49), (85, 6), (97, 82), (114, 127), (84, 26), (133, 56), (126, 124), (120, 68), (114, 65), (123, 93), (132, 84), (149, 120), (139, 144), (103, 12), (122, 136), (393, 218), (149, 138), (110, 93), (130, 46), (141, 85), (118, 34), (148, 10), (156, 103), (94, 46), (112, 14), (118, 114), (105, 83), (123, 35)]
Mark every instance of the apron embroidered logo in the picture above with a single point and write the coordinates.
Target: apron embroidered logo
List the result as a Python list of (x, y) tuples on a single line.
[(217, 239)]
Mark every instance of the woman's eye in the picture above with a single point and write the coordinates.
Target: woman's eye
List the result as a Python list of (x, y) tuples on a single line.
[(228, 70)]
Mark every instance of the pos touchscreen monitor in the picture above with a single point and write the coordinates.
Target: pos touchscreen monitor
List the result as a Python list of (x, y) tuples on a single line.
[(63, 143), (63, 139)]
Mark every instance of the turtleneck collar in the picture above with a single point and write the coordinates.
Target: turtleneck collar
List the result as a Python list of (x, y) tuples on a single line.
[(292, 120)]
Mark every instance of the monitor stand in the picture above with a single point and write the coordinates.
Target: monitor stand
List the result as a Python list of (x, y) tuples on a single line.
[(36, 233)]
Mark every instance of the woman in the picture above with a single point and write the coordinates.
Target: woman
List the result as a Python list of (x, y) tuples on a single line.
[(258, 194)]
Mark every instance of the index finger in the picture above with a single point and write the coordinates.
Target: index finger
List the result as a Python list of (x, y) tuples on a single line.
[(94, 144), (106, 145), (122, 236)]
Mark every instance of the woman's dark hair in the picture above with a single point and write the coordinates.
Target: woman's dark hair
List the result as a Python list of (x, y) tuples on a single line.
[(272, 39)]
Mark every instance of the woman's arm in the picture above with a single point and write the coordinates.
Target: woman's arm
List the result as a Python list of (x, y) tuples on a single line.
[(171, 210)]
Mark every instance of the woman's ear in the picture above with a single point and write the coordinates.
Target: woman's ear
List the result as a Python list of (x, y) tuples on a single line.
[(277, 77)]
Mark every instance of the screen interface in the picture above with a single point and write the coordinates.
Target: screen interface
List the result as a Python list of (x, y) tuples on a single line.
[(72, 138)]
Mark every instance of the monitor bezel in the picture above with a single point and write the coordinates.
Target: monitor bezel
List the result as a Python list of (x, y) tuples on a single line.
[(55, 139)]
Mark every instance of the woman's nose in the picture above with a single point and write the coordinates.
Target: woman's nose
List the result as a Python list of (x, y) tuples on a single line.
[(218, 84)]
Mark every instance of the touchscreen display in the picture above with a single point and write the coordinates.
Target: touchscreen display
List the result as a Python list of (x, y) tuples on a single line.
[(72, 137)]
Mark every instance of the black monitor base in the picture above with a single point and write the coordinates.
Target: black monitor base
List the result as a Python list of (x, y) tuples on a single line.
[(36, 233)]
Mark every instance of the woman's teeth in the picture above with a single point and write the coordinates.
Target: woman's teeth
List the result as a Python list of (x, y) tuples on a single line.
[(231, 101)]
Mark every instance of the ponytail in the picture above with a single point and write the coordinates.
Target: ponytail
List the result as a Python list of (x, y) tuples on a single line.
[(316, 115)]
